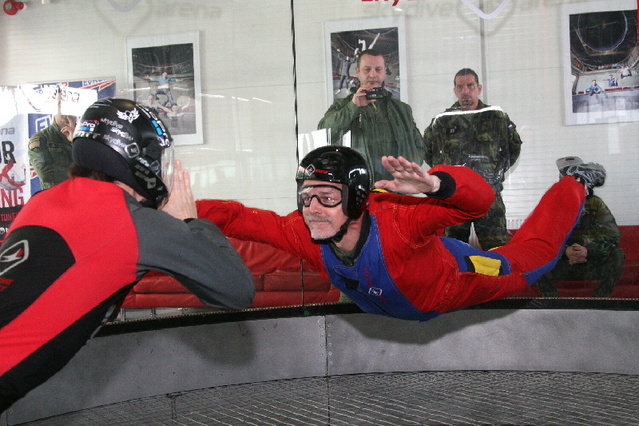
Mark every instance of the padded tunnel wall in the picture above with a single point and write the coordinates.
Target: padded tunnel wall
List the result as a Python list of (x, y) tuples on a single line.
[(127, 366)]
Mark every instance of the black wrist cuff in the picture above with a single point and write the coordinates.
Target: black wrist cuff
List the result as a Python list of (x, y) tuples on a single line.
[(447, 186)]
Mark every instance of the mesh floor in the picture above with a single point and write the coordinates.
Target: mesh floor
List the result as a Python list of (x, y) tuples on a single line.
[(424, 398)]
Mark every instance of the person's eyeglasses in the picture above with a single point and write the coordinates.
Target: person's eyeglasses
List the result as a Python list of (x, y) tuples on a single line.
[(327, 195)]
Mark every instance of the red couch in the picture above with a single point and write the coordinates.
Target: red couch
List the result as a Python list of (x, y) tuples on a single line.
[(285, 280), (280, 280)]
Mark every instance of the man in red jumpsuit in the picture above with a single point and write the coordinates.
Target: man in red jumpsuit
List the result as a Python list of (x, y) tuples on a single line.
[(383, 250), (75, 250)]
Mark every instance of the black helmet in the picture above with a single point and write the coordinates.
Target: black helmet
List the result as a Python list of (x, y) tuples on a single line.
[(125, 141), (338, 164)]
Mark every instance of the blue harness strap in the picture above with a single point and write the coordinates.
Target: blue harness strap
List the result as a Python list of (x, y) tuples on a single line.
[(471, 259), (368, 282)]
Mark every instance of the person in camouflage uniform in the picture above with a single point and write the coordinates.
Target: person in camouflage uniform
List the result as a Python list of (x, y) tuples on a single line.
[(591, 251), (483, 138), (49, 149), (378, 127)]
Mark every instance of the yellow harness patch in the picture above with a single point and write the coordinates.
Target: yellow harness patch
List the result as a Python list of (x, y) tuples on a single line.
[(486, 265)]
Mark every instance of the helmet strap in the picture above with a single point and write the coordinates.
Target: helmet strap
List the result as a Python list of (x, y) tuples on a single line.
[(339, 235)]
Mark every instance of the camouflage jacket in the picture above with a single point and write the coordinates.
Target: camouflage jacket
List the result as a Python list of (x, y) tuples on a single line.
[(50, 155), (384, 127), (597, 229), (485, 140)]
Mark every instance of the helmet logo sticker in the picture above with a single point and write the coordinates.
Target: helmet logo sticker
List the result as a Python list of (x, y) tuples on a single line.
[(129, 116), (87, 126), (122, 134), (132, 150), (159, 130), (151, 182), (310, 170), (145, 178)]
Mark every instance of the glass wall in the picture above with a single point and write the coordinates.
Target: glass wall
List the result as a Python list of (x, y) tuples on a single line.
[(267, 74)]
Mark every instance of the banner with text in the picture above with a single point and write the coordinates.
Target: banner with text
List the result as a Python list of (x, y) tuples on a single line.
[(14, 162)]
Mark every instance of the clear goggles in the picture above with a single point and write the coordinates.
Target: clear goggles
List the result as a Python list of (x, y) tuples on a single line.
[(327, 195), (162, 163), (168, 163)]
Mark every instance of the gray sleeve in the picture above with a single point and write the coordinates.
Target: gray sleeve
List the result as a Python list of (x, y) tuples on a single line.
[(195, 253)]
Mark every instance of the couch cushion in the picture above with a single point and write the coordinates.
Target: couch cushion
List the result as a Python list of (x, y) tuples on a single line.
[(291, 281), (315, 282), (263, 258)]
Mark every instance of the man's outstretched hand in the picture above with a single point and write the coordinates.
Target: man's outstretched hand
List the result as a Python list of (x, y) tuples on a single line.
[(180, 204), (409, 178)]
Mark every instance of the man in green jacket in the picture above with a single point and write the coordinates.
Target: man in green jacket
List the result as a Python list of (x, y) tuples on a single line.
[(592, 250), (378, 124), (50, 150), (483, 138)]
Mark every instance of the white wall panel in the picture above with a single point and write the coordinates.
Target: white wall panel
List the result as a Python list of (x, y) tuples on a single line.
[(252, 107)]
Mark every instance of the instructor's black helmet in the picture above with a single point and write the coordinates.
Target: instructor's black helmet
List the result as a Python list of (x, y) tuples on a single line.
[(338, 164), (127, 142)]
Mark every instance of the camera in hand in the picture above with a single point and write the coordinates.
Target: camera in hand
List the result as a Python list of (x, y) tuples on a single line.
[(375, 93)]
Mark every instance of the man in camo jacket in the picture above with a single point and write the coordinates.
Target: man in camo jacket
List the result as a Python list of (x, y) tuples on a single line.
[(483, 138)]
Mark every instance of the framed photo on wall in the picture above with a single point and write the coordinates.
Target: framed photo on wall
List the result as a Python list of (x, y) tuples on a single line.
[(344, 42), (601, 61), (164, 75)]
